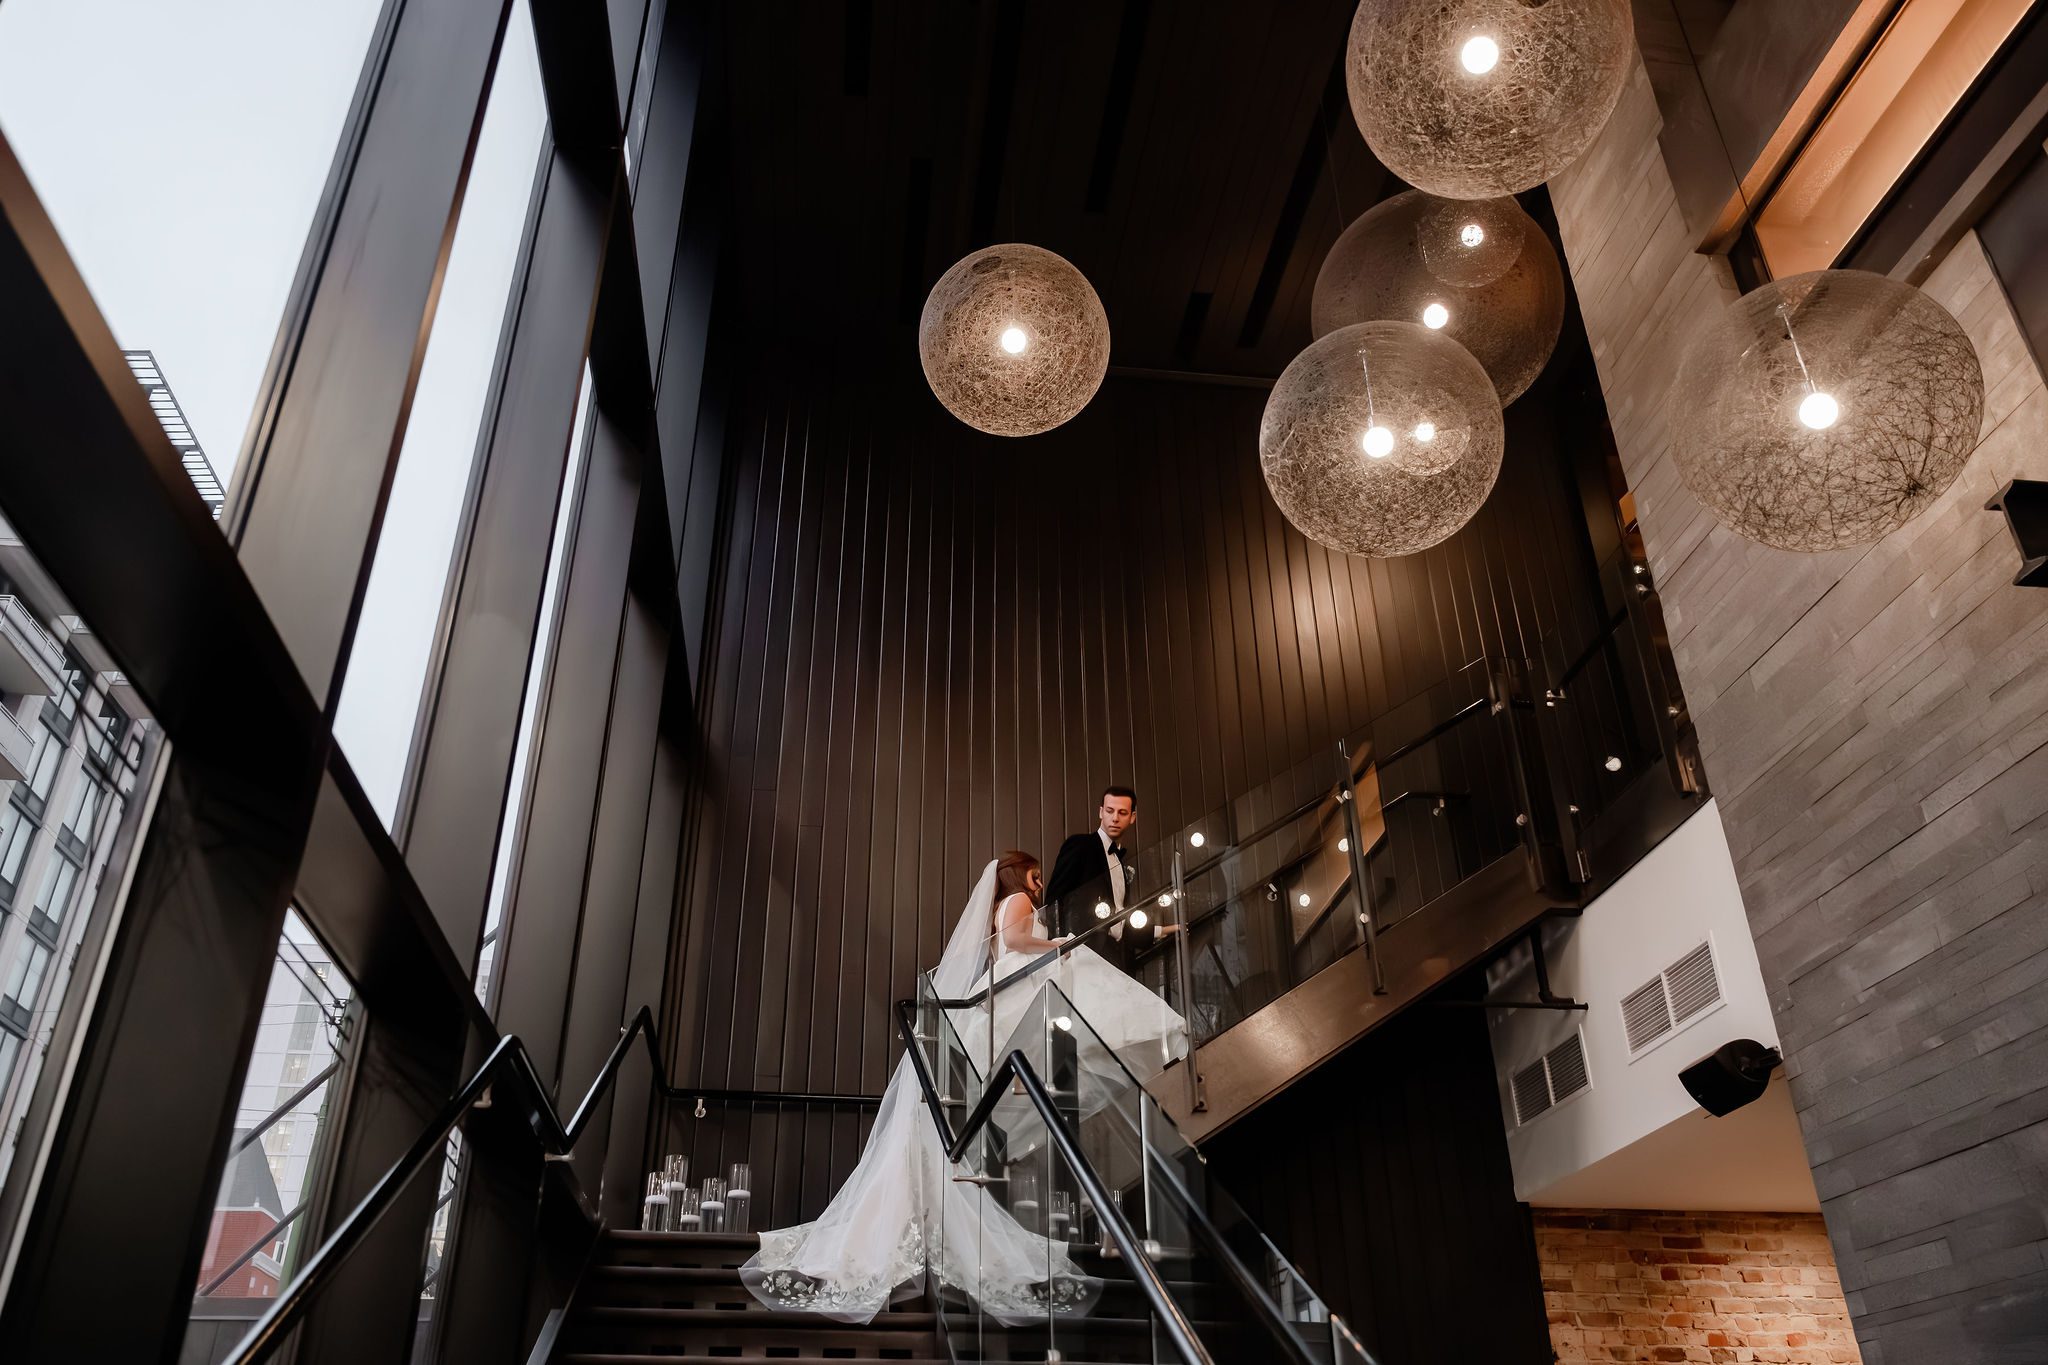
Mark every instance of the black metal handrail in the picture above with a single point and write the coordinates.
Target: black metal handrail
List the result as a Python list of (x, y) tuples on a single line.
[(507, 1062), (1016, 1066)]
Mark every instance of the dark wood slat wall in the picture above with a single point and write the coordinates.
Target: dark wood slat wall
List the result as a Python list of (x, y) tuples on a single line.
[(917, 662), (1384, 1178)]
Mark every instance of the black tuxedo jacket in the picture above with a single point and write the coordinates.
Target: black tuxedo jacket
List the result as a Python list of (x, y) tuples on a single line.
[(1079, 880)]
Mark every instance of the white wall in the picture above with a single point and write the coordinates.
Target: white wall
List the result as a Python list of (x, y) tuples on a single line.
[(1685, 891)]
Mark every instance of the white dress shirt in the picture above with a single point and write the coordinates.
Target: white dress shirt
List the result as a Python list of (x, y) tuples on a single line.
[(1116, 870), (1116, 882)]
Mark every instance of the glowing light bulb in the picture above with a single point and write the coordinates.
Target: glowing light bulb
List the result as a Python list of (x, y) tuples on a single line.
[(1479, 55), (1379, 442), (1819, 410), (1471, 234), (1197, 840), (1425, 432), (1302, 900), (1165, 900), (1435, 316), (1014, 341), (1343, 845), (1064, 1022), (1139, 919), (1102, 909)]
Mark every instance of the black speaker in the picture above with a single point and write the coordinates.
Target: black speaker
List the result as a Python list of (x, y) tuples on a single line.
[(1731, 1075)]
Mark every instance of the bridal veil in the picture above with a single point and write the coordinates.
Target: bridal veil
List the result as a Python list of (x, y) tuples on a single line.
[(872, 1243)]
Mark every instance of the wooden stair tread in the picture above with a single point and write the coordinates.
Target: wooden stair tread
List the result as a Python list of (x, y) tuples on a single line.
[(633, 1236), (755, 1317), (614, 1358)]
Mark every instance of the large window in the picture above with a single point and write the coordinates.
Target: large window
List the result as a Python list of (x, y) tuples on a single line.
[(259, 1227), (55, 898), (16, 830), (25, 979), (381, 694)]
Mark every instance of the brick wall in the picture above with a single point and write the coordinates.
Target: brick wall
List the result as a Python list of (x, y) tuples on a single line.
[(1652, 1286)]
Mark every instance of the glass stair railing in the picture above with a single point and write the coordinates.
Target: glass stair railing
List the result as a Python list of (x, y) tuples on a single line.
[(1136, 1254), (1422, 814)]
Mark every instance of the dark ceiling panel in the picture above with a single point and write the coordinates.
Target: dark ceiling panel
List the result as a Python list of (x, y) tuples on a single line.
[(1158, 147)]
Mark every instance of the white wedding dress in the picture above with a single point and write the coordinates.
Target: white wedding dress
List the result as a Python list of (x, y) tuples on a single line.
[(1118, 1013), (900, 1211)]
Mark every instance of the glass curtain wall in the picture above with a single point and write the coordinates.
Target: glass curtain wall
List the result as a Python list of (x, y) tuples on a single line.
[(197, 874)]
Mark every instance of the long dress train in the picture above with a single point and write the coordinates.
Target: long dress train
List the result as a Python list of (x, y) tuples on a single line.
[(900, 1211)]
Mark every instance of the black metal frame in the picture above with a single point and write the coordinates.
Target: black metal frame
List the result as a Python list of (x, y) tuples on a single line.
[(240, 641)]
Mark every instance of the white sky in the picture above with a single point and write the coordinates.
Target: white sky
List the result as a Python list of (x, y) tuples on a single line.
[(181, 146)]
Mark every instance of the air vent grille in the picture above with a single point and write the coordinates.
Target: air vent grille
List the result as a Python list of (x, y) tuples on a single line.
[(1551, 1079), (1681, 993), (1532, 1091), (1567, 1062), (1645, 1014), (1693, 984)]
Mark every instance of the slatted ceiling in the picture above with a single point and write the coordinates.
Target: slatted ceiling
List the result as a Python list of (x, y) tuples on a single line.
[(1192, 200), (1116, 103)]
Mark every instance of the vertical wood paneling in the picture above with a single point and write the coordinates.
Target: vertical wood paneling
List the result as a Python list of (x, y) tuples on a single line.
[(931, 646)]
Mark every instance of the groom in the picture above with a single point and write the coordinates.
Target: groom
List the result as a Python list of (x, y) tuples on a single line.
[(1094, 871)]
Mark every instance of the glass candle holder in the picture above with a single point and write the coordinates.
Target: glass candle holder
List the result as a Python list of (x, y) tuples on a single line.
[(712, 1205), (676, 1168), (739, 1197), (688, 1215), (1024, 1202), (674, 1186), (654, 1207), (1059, 1216)]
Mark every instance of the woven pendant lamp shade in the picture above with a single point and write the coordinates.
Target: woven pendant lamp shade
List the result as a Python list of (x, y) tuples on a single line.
[(1381, 439), (1379, 268), (1013, 340), (1826, 409), (1470, 242), (1476, 98)]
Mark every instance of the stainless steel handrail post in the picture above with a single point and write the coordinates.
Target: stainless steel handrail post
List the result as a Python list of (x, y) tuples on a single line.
[(1197, 1101)]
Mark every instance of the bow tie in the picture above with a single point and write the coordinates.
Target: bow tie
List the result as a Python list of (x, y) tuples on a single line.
[(1116, 851)]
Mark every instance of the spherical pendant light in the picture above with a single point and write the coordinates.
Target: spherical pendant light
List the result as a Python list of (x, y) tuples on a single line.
[(1476, 98), (1379, 268), (1381, 439), (1014, 340), (1826, 409)]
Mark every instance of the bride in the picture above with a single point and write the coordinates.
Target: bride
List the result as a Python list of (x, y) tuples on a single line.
[(900, 1209), (1127, 1019)]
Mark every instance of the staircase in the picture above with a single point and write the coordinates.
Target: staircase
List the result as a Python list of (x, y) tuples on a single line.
[(662, 1298), (676, 1298)]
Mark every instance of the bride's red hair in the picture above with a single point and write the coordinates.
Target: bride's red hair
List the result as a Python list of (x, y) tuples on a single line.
[(1013, 872)]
